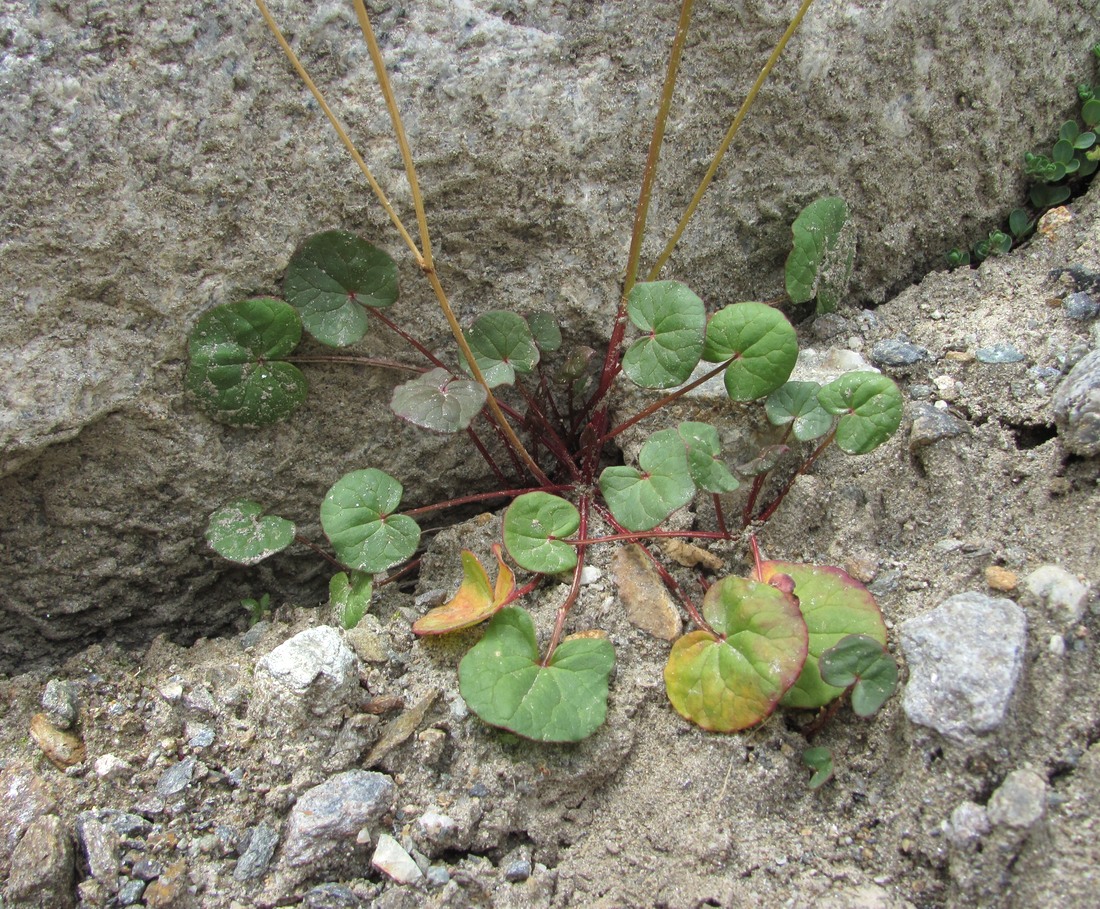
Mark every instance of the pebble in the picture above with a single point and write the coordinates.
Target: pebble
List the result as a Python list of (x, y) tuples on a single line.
[(124, 823), (969, 823), (61, 703), (1058, 591), (330, 896), (176, 778), (102, 848), (110, 766), (437, 876), (169, 891), (200, 736), (1076, 407), (896, 352), (517, 871), (64, 749), (130, 891), (1020, 801), (395, 862), (314, 669), (1000, 579), (648, 604), (147, 869), (998, 353), (398, 730), (257, 855), (23, 799), (334, 812), (931, 425), (1081, 306), (42, 866), (965, 658), (437, 832), (369, 640)]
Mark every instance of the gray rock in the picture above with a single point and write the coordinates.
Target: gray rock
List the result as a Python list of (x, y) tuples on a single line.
[(61, 703), (330, 896), (257, 855), (147, 869), (931, 425), (102, 849), (1077, 407), (23, 799), (436, 832), (176, 778), (998, 353), (1020, 801), (1057, 591), (437, 876), (969, 823), (965, 658), (130, 891), (1080, 306), (43, 870), (124, 823), (314, 672), (895, 352), (330, 815), (517, 871)]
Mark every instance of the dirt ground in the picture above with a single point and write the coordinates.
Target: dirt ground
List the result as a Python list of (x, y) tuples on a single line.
[(650, 811)]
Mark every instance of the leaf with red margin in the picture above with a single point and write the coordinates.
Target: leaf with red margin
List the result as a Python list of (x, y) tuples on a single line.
[(834, 605), (475, 601)]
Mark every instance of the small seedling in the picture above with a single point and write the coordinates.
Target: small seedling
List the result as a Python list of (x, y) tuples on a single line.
[(820, 761), (258, 610), (757, 642)]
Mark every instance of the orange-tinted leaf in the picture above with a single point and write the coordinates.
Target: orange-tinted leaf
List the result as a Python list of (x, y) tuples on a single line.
[(475, 601)]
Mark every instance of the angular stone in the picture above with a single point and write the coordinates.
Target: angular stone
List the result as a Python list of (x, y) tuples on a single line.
[(314, 671), (1058, 591), (643, 593), (930, 425), (895, 352), (42, 867), (23, 799), (176, 778), (1076, 406), (102, 849), (61, 703), (256, 857), (1020, 801), (395, 862), (965, 658), (169, 891), (399, 729), (327, 818)]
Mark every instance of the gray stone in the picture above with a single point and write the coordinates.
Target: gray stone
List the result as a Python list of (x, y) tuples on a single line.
[(330, 896), (969, 823), (931, 425), (126, 189), (895, 352), (998, 353), (1057, 591), (1080, 306), (176, 778), (1020, 801), (101, 846), (965, 658), (314, 671), (61, 703), (517, 871), (257, 855), (330, 815), (437, 876), (1077, 407), (42, 867), (124, 823), (23, 799), (130, 891), (436, 832)]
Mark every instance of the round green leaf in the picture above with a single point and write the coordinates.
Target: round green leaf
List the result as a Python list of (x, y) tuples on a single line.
[(357, 517), (823, 247), (439, 401), (861, 661), (796, 403), (504, 682), (703, 448), (535, 525), (331, 280), (641, 499), (820, 761), (734, 681), (675, 320), (544, 327), (235, 373), (241, 532), (503, 345), (1090, 112), (834, 605), (870, 408), (762, 343)]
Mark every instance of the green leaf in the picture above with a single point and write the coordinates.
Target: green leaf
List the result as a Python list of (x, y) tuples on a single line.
[(502, 345), (349, 596), (439, 401), (676, 320), (834, 605), (820, 261), (1019, 223), (765, 460), (1090, 112), (544, 327), (641, 499), (735, 680), (796, 403), (475, 601), (535, 525), (1062, 153), (504, 682), (762, 343), (235, 371), (820, 761), (870, 407), (241, 532), (357, 517), (1085, 141), (1043, 197), (332, 279), (1069, 131), (703, 449), (861, 661)]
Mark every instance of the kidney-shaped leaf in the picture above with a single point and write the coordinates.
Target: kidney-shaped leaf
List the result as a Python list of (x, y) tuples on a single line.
[(331, 280), (870, 407), (357, 517), (439, 401), (641, 499), (796, 403), (675, 320), (820, 261), (734, 681), (762, 343), (235, 372), (503, 345), (834, 605), (862, 662), (241, 532), (703, 448), (535, 525), (504, 682), (475, 601)]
